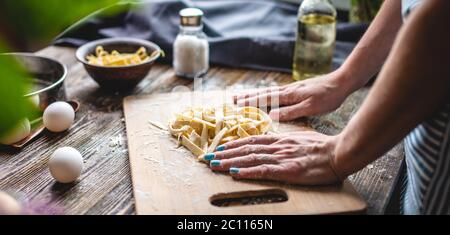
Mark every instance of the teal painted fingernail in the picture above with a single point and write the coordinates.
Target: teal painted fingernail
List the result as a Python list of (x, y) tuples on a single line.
[(220, 148), (215, 163), (209, 156), (234, 170)]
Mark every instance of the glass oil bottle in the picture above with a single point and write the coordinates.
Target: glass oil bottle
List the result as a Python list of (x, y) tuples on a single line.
[(315, 39)]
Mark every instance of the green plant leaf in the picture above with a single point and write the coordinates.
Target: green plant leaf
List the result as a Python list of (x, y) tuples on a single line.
[(35, 20), (13, 106), (25, 21)]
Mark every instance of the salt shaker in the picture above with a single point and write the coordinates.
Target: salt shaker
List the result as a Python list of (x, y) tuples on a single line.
[(191, 48)]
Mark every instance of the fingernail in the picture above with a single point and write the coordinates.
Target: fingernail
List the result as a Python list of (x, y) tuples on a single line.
[(209, 156), (234, 170), (220, 148), (215, 163)]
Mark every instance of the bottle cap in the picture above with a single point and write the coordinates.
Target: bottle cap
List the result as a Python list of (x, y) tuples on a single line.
[(191, 17)]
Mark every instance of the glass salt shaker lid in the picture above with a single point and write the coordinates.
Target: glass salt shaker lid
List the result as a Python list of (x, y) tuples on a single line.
[(191, 17)]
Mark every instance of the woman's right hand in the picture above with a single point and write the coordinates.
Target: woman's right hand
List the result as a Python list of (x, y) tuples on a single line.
[(308, 97)]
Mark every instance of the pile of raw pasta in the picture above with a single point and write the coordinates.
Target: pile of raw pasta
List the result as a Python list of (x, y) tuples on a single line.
[(202, 129), (104, 58)]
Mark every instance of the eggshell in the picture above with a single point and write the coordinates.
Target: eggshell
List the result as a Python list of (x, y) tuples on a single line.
[(58, 116), (19, 132), (66, 164), (9, 205)]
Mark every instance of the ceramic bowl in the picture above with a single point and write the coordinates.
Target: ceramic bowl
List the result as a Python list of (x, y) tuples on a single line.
[(118, 77)]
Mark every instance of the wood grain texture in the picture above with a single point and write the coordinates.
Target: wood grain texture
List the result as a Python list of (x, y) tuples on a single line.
[(170, 180), (105, 185)]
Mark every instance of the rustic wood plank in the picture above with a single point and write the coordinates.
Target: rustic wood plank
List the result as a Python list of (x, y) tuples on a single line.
[(105, 186)]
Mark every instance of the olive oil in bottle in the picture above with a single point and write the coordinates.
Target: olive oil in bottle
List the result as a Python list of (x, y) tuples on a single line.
[(316, 35)]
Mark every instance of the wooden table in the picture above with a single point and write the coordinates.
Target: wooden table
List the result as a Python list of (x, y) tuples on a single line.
[(99, 134)]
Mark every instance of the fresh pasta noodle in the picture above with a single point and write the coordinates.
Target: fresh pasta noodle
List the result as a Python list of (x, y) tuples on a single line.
[(201, 129), (104, 58)]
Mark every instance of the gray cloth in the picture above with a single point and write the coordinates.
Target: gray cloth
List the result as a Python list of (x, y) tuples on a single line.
[(246, 34)]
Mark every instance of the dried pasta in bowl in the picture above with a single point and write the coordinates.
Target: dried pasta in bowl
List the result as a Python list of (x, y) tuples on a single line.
[(201, 129), (104, 58)]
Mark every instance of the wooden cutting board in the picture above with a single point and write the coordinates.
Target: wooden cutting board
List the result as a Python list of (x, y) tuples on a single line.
[(169, 180)]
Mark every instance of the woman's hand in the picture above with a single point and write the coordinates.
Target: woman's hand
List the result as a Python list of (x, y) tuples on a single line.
[(312, 96), (298, 158)]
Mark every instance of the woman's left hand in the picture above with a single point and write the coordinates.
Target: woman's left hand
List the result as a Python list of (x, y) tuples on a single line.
[(298, 158)]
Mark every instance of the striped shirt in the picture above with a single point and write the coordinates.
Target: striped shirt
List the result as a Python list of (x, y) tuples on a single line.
[(427, 152)]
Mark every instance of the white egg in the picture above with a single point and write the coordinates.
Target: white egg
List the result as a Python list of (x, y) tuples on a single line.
[(9, 205), (65, 164), (58, 116), (17, 133)]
